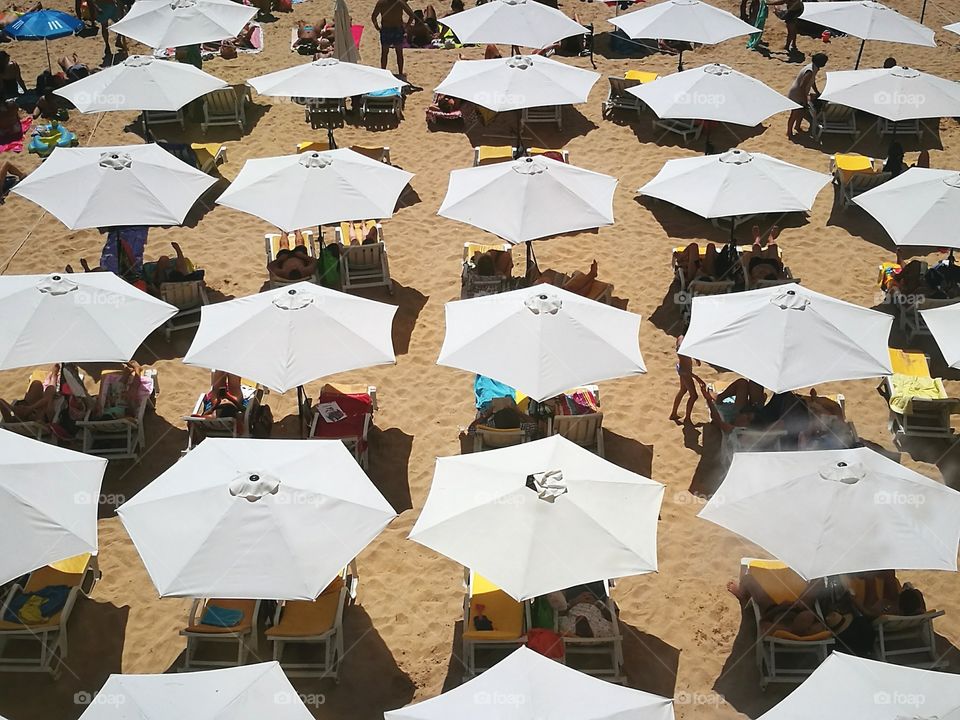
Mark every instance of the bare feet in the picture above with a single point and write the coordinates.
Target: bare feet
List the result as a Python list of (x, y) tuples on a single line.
[(84, 264), (734, 588)]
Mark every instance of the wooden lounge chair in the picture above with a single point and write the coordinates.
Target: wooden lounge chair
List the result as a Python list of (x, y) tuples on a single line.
[(317, 623), (619, 99), (358, 403), (48, 635), (311, 146), (859, 183), (834, 119), (473, 284), (234, 426), (121, 438), (490, 437), (598, 656), (323, 112), (243, 635), (225, 107), (900, 127), (584, 430), (188, 297), (687, 129), (377, 105), (509, 617), (552, 114), (696, 288), (919, 404), (774, 646), (364, 266)]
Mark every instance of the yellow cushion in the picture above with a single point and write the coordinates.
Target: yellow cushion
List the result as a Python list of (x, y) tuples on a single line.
[(359, 227), (74, 565), (780, 583), (906, 362), (853, 162), (247, 607), (49, 576), (495, 153), (205, 152), (504, 612), (643, 76), (374, 153), (312, 146)]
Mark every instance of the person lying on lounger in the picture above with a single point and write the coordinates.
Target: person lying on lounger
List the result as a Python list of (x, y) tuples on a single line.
[(737, 406), (10, 128), (37, 403), (796, 617), (10, 175), (582, 614), (309, 36), (883, 595), (167, 269), (292, 264), (493, 263), (123, 395), (503, 414), (696, 266), (225, 397)]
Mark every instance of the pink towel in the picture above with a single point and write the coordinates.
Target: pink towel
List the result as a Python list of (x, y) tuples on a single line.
[(357, 32), (17, 145)]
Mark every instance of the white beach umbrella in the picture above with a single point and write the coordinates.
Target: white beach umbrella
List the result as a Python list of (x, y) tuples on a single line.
[(541, 516), (896, 93), (316, 188), (140, 82), (920, 207), (845, 687), (713, 92), (514, 83), (247, 692), (80, 317), (832, 512), (954, 27), (944, 323), (48, 503), (524, 23), (690, 21), (175, 23), (287, 337), (528, 686), (788, 337), (345, 47), (325, 78), (255, 519), (529, 198), (736, 183), (110, 186), (541, 340), (868, 20)]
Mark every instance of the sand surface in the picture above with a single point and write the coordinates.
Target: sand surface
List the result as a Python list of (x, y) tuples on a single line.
[(683, 631)]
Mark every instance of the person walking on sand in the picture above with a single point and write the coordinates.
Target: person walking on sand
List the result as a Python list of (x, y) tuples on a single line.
[(800, 92), (388, 19), (687, 386)]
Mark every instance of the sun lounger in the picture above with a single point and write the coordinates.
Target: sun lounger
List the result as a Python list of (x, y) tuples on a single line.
[(363, 265), (598, 656), (919, 404), (843, 166), (199, 634), (859, 183), (619, 99), (355, 232), (358, 403), (234, 426), (746, 254), (911, 320), (585, 430), (164, 117), (225, 107), (46, 634), (272, 247), (687, 129), (312, 146), (42, 430), (382, 103), (900, 127), (489, 437), (697, 288), (381, 153), (534, 151), (120, 438), (902, 639), (435, 115), (552, 114), (473, 284), (490, 154), (317, 623), (834, 119), (323, 112), (209, 156), (774, 646), (188, 297), (508, 617)]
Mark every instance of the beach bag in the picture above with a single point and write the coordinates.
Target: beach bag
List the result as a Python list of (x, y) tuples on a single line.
[(546, 642), (261, 422)]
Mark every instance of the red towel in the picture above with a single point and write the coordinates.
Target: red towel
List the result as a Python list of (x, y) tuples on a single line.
[(355, 407), (357, 32), (17, 145)]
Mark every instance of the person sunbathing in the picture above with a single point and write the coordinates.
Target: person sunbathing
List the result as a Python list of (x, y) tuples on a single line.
[(244, 38), (11, 129), (884, 595), (356, 235), (739, 405), (422, 28), (292, 264), (585, 615), (797, 617), (167, 269), (10, 175), (765, 261), (72, 68), (11, 79), (225, 397), (309, 36), (122, 396), (493, 263), (48, 107), (696, 266), (37, 404), (502, 415)]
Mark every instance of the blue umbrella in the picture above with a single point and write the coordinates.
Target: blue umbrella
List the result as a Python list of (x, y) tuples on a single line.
[(44, 25)]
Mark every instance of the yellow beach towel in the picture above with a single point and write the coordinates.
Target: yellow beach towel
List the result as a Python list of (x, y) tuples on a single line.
[(908, 387)]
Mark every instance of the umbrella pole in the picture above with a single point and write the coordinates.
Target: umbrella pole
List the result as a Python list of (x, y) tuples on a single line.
[(330, 141), (301, 397), (521, 151), (531, 261), (923, 9), (860, 54), (680, 62), (733, 225), (46, 46)]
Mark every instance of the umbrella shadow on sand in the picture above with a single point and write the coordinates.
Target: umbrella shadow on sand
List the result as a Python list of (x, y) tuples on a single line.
[(502, 130), (628, 453), (389, 467), (409, 302), (724, 137), (97, 633), (649, 663)]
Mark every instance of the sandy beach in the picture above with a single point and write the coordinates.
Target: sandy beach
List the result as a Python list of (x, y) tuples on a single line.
[(684, 637)]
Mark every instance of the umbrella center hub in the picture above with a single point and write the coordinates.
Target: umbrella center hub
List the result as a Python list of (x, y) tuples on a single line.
[(845, 473), (514, 2), (56, 285), (116, 160), (736, 157), (543, 304), (519, 62), (314, 160), (548, 485), (789, 300), (685, 2), (953, 180), (253, 486), (904, 72), (529, 166), (293, 300), (182, 4), (326, 62), (717, 69), (135, 61)]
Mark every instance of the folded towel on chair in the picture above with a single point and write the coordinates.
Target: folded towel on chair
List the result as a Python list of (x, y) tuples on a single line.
[(37, 607), (487, 390), (221, 617), (908, 387)]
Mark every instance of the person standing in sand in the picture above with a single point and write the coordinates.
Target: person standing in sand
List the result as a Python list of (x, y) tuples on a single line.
[(800, 92), (687, 386), (388, 19)]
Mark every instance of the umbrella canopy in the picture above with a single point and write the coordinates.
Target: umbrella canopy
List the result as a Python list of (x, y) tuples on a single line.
[(175, 23), (788, 337), (81, 317), (685, 20), (541, 516), (524, 23), (944, 324), (514, 83), (846, 687), (868, 20), (713, 92), (48, 503), (556, 339), (325, 78), (736, 183), (832, 512), (920, 207), (111, 186), (43, 25), (345, 47), (141, 83), (538, 688), (316, 188), (954, 27), (248, 692), (529, 198), (287, 337), (256, 519), (896, 93)]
